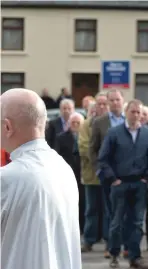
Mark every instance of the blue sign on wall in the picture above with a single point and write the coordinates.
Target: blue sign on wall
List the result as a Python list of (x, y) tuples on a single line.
[(116, 74)]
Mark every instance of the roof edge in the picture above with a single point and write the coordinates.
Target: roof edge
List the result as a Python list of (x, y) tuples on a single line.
[(122, 5)]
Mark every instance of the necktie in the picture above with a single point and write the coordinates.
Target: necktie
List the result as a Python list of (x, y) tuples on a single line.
[(75, 146)]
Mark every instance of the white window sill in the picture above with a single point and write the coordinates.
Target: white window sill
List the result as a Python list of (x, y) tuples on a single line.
[(140, 55), (13, 53), (84, 54)]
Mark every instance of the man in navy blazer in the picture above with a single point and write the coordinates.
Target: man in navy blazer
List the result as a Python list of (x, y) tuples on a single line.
[(123, 160)]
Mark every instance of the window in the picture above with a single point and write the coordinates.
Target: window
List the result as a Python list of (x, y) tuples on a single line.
[(12, 34), (142, 39), (11, 80), (85, 35), (141, 87)]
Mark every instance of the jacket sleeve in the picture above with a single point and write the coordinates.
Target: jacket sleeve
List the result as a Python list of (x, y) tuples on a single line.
[(50, 134), (105, 156), (94, 144), (58, 145), (83, 141), (146, 172)]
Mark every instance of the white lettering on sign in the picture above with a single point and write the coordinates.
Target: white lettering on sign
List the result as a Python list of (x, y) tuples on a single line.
[(116, 67)]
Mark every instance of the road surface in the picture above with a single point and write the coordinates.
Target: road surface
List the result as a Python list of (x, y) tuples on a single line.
[(95, 260)]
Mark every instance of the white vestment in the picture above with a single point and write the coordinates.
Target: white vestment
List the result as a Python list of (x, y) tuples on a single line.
[(39, 210)]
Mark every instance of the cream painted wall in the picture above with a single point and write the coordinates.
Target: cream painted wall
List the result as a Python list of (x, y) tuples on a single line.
[(49, 58)]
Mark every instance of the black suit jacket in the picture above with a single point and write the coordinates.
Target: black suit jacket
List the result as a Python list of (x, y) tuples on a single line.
[(64, 146), (54, 128)]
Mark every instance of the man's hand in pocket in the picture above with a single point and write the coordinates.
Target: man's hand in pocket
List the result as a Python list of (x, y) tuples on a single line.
[(117, 182)]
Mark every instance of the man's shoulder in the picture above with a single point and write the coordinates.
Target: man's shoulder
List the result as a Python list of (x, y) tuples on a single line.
[(101, 119), (11, 172), (116, 129), (55, 121), (145, 128)]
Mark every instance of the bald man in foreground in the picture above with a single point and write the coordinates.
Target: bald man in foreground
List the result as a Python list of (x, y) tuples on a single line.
[(39, 195)]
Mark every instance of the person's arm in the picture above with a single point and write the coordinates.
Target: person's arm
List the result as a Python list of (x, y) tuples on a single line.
[(50, 134), (83, 140), (94, 144), (105, 157), (146, 172), (58, 145)]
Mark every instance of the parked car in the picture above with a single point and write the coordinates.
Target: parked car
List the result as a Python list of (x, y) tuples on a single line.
[(54, 113)]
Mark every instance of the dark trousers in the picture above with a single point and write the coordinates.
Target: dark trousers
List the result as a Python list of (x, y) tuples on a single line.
[(107, 218), (81, 206), (93, 214), (133, 197), (106, 211), (147, 219)]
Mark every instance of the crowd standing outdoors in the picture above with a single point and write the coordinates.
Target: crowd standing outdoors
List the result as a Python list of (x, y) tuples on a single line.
[(108, 153)]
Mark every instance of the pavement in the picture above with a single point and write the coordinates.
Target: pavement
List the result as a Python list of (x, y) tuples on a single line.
[(95, 259)]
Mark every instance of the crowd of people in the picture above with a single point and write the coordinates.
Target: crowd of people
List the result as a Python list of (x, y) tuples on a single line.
[(52, 103), (108, 153)]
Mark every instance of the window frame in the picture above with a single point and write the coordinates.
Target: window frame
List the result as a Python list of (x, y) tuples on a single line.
[(76, 30), (13, 28), (139, 31), (140, 74), (22, 76), (141, 83)]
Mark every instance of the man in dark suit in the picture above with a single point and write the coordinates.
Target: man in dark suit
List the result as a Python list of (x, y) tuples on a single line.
[(48, 100), (67, 147), (99, 130), (60, 124), (65, 94)]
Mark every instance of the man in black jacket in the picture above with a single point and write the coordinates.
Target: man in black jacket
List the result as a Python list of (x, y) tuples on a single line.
[(67, 147), (65, 94), (60, 124)]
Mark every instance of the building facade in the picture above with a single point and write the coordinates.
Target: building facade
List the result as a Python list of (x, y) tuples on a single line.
[(64, 45)]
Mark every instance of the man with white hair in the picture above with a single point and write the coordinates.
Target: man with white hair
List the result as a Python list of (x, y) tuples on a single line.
[(59, 124), (144, 116), (39, 196), (67, 147)]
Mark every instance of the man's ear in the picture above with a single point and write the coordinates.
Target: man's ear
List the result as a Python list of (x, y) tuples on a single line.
[(8, 128)]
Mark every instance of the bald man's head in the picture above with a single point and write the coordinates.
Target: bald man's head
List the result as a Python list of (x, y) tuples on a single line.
[(23, 114)]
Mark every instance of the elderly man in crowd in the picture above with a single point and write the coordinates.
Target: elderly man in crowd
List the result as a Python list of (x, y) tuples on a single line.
[(59, 124), (67, 147), (93, 191), (123, 160), (144, 116), (39, 195)]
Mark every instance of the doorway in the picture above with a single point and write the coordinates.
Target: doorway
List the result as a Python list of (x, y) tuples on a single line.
[(84, 84)]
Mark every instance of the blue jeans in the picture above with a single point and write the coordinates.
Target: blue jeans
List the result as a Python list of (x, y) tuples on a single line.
[(131, 196), (107, 218), (93, 214)]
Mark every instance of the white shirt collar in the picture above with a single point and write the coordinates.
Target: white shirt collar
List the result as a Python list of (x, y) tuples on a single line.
[(31, 145), (111, 114)]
